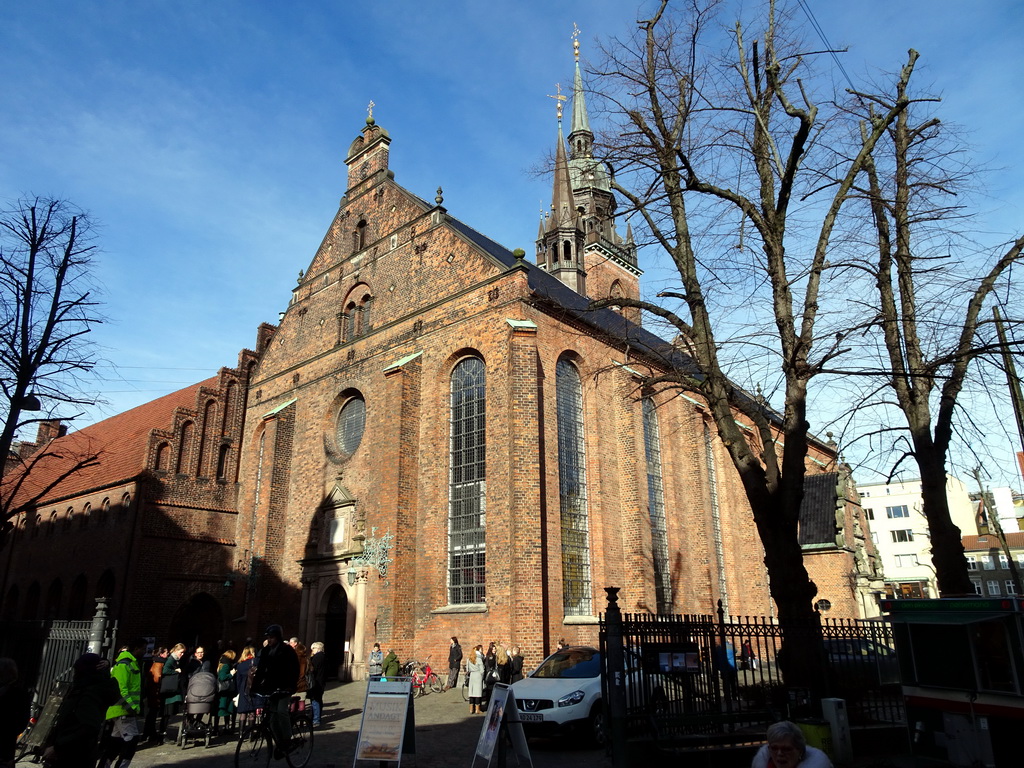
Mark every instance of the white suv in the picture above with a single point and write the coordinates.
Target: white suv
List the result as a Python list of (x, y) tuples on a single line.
[(563, 693)]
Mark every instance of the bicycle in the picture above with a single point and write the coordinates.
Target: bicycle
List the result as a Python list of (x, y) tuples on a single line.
[(257, 742), (465, 687), (424, 679)]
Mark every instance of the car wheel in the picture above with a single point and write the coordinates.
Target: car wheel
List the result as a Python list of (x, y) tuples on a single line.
[(596, 725)]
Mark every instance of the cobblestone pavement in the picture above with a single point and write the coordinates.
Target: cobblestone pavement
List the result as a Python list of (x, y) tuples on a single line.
[(446, 735)]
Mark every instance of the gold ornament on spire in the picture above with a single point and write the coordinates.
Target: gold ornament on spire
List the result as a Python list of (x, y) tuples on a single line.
[(576, 41), (558, 100)]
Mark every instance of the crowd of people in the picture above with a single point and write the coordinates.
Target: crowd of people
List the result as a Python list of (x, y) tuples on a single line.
[(110, 710), (501, 663)]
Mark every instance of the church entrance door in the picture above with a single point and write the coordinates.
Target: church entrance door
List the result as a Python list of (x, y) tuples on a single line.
[(335, 628)]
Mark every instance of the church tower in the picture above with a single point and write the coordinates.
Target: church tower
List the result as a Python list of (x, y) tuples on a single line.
[(577, 241)]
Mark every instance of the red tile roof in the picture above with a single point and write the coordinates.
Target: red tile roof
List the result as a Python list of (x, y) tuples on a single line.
[(1014, 539), (120, 441)]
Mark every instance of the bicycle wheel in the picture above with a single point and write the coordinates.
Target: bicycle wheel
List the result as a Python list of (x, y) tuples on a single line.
[(253, 748), (301, 746), (435, 683)]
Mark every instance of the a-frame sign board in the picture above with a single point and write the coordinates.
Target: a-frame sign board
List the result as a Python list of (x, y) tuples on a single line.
[(501, 725), (388, 726)]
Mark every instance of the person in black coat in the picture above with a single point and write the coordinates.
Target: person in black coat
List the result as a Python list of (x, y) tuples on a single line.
[(74, 737), (490, 674), (277, 672), (248, 702), (454, 663), (515, 663), (316, 680)]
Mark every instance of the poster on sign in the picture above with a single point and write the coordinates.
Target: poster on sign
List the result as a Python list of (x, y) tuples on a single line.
[(501, 725), (383, 728)]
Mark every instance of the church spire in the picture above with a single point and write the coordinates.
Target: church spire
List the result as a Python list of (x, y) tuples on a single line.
[(561, 198), (580, 122)]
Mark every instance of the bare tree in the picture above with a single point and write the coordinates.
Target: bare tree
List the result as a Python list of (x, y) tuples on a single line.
[(47, 308), (700, 144), (931, 287)]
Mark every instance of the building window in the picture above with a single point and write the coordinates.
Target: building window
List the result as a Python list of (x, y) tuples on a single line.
[(467, 497), (572, 491), (716, 516), (656, 502), (1020, 559), (1010, 587), (897, 511), (988, 562), (351, 423), (977, 587), (1004, 562), (993, 587), (972, 563), (902, 535), (906, 561), (869, 513)]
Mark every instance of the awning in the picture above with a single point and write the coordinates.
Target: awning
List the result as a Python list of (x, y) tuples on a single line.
[(947, 617)]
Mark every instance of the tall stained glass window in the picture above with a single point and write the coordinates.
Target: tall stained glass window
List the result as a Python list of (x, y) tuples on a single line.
[(656, 505), (572, 491), (467, 494)]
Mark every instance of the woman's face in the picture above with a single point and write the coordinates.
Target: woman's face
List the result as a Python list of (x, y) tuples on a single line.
[(200, 653), (784, 754)]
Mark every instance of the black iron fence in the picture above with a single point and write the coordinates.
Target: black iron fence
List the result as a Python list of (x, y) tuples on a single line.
[(705, 669), (45, 651)]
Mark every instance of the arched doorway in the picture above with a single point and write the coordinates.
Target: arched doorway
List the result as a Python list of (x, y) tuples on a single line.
[(200, 621), (335, 628)]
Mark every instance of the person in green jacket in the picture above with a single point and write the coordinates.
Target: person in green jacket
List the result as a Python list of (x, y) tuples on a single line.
[(391, 667), (124, 737)]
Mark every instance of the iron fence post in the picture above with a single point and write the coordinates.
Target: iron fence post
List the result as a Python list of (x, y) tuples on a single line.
[(616, 666), (98, 630)]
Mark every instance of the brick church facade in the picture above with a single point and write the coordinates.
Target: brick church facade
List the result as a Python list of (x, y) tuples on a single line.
[(438, 438)]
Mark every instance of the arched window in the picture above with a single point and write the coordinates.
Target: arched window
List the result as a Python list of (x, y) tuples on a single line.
[(105, 513), (37, 525), (229, 407), (351, 424), (77, 609), (572, 491), (11, 604), (31, 609), (162, 454), (52, 527), (83, 519), (364, 314), (222, 461), (205, 438), (716, 516), (69, 515), (656, 507), (359, 236), (126, 502), (467, 494), (566, 251), (351, 321), (185, 448), (52, 608)]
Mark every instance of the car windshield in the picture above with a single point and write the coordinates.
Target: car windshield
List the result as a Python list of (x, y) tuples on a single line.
[(570, 663)]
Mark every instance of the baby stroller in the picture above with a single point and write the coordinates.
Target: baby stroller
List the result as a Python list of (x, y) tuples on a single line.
[(198, 715)]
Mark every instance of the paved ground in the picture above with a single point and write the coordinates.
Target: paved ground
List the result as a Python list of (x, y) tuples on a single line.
[(446, 735)]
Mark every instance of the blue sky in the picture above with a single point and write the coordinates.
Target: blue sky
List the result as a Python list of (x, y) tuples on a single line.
[(208, 138)]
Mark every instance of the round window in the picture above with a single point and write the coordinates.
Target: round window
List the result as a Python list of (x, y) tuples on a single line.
[(823, 605), (351, 421)]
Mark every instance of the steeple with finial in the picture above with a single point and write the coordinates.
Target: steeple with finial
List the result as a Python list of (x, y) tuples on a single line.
[(577, 241)]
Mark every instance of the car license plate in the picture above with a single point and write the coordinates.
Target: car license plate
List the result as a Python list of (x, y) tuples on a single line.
[(531, 717)]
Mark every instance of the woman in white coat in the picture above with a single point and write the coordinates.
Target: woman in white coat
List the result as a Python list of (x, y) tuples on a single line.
[(475, 671)]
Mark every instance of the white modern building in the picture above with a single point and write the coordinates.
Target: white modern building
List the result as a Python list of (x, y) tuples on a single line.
[(900, 532)]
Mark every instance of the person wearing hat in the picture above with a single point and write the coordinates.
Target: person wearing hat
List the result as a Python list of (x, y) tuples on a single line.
[(73, 739), (277, 671)]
